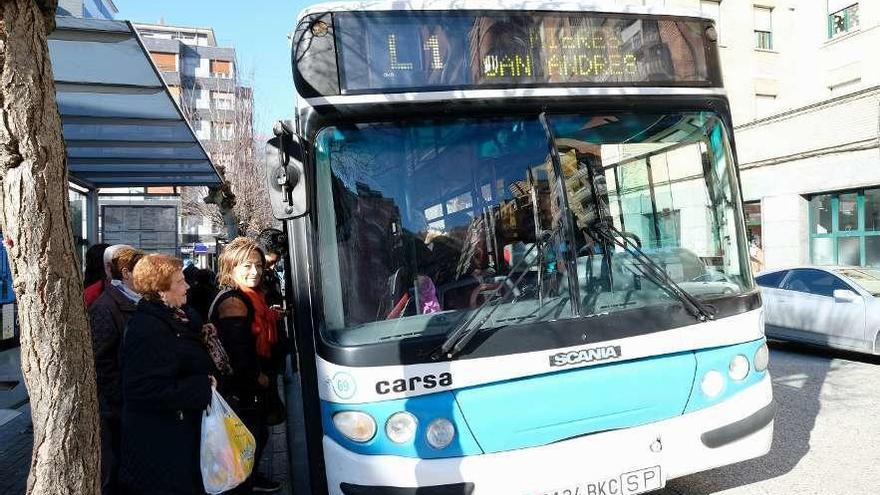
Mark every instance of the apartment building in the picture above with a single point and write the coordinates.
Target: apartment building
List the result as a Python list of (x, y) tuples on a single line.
[(804, 88), (203, 78), (88, 9), (805, 95)]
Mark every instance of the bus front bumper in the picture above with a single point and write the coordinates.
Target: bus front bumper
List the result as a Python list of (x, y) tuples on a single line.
[(627, 461)]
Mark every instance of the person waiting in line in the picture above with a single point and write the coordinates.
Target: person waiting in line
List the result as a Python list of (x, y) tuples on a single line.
[(108, 317), (202, 291), (167, 376), (94, 291), (94, 270), (248, 330), (93, 277), (273, 242), (274, 246)]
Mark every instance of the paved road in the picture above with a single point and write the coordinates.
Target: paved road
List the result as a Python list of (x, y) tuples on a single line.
[(827, 433), (826, 441)]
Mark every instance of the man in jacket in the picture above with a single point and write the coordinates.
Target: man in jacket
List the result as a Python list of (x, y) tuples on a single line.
[(94, 291), (108, 316)]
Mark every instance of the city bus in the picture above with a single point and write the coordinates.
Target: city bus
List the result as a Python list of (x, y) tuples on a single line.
[(518, 261)]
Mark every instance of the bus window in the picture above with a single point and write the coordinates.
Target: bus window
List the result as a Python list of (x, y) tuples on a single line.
[(424, 222)]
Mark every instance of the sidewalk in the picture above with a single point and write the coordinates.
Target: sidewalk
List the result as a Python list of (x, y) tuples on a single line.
[(16, 434), (17, 438)]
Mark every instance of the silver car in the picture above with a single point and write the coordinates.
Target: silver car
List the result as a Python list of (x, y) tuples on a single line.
[(830, 306)]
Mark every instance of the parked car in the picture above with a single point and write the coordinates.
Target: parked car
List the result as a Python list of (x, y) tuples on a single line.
[(830, 306)]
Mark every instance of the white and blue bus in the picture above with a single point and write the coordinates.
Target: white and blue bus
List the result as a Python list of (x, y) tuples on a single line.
[(518, 257)]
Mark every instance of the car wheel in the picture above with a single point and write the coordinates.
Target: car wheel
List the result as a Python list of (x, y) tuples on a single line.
[(877, 342)]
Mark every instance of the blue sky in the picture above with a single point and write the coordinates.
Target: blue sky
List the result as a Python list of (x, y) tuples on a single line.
[(257, 29)]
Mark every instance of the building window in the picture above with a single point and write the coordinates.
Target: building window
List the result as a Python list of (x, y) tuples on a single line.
[(202, 128), (165, 62), (221, 68), (843, 17), (203, 99), (764, 105), (845, 228), (752, 213), (222, 100), (223, 132), (175, 93), (763, 28), (664, 228), (712, 10)]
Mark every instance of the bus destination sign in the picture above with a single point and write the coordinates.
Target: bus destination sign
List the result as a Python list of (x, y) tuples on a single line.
[(426, 50)]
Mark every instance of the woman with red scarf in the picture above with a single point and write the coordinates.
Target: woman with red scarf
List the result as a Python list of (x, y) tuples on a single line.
[(248, 330)]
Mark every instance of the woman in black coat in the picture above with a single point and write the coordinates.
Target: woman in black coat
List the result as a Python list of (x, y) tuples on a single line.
[(248, 329), (167, 377)]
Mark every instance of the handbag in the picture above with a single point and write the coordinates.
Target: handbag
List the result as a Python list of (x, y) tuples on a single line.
[(215, 349)]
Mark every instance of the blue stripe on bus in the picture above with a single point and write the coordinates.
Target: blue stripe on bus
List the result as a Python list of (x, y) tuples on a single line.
[(543, 409)]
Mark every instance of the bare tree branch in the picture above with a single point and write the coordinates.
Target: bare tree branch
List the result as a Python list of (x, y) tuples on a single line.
[(233, 149)]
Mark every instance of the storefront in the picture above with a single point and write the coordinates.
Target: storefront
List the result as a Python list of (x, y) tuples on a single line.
[(811, 183), (845, 228)]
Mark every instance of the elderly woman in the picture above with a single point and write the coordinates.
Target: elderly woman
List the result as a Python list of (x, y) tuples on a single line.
[(108, 317), (247, 327), (167, 377)]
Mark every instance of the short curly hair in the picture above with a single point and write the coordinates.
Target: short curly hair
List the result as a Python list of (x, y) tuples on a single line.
[(235, 253), (154, 273)]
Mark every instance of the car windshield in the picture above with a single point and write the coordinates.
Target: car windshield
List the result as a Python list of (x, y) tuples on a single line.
[(866, 278), (421, 222)]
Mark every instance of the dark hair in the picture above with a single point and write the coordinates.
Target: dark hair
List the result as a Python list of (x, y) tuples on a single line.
[(95, 264), (272, 241)]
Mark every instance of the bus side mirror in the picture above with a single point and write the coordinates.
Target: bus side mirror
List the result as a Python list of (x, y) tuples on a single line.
[(285, 173)]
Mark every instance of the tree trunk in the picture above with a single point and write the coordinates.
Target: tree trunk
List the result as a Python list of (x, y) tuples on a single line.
[(56, 353)]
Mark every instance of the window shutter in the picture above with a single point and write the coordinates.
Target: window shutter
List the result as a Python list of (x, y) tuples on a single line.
[(711, 9), (763, 19), (166, 62), (838, 5), (220, 67)]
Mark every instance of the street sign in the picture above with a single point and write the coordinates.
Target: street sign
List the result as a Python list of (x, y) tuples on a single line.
[(200, 248)]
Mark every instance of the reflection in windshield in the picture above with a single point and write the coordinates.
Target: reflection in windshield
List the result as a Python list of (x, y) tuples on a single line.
[(866, 278), (421, 223)]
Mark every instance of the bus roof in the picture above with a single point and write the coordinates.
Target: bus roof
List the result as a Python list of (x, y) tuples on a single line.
[(605, 6)]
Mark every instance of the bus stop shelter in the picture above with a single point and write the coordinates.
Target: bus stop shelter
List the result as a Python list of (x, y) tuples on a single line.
[(121, 125)]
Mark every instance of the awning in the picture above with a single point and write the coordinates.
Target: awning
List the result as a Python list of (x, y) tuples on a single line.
[(121, 125)]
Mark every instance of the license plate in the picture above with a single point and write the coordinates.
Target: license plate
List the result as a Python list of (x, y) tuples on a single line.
[(630, 483)]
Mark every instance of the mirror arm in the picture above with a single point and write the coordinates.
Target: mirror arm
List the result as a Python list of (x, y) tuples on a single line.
[(285, 173)]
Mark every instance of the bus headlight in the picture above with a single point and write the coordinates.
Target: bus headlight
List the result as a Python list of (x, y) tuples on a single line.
[(401, 427), (739, 367), (440, 433), (762, 358), (712, 384), (355, 425)]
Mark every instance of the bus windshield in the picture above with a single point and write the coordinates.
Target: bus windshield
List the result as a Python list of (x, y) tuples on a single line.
[(423, 223)]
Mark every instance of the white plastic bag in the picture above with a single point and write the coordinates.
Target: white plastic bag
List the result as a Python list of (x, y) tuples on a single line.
[(227, 448)]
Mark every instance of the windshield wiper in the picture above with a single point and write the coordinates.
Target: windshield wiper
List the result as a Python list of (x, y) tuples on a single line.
[(609, 235), (459, 337)]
